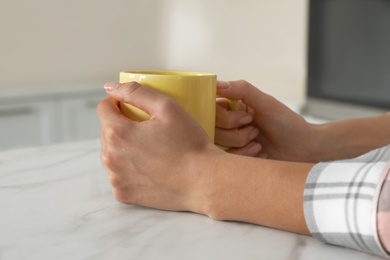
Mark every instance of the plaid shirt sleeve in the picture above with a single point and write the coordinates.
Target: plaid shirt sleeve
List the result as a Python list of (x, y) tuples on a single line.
[(383, 214), (341, 201)]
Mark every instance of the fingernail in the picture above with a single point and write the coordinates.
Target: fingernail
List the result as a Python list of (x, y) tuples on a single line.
[(223, 84), (245, 120), (111, 86), (254, 149), (255, 132)]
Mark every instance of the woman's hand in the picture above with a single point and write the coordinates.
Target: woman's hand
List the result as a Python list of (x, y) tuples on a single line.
[(263, 126), (157, 163)]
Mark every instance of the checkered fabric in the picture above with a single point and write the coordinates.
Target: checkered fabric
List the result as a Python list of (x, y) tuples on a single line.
[(341, 201), (383, 214)]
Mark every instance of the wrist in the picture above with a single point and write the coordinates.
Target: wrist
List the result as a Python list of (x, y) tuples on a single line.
[(319, 145), (257, 191), (350, 138), (216, 188), (204, 168), (326, 144)]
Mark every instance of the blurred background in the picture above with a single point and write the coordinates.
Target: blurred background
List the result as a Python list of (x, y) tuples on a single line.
[(56, 55)]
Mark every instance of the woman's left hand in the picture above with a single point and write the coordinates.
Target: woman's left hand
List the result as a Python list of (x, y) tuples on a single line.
[(160, 163)]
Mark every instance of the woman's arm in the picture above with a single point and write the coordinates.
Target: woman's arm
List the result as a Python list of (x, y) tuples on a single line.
[(350, 138)]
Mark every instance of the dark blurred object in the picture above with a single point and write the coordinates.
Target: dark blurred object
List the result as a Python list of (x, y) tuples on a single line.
[(348, 58)]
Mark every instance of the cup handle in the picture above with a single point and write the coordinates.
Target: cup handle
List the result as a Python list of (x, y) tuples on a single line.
[(233, 105)]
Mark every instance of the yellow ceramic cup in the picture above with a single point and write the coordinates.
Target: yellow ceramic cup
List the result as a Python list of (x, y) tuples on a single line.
[(195, 92)]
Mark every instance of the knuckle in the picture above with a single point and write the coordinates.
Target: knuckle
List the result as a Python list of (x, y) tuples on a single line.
[(243, 136), (225, 119), (115, 182), (132, 85), (109, 160), (121, 196), (113, 135), (241, 141), (242, 82), (125, 196), (104, 157), (166, 104), (230, 122), (99, 108), (130, 88)]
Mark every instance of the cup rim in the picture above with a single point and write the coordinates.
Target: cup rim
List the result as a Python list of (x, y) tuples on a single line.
[(168, 73)]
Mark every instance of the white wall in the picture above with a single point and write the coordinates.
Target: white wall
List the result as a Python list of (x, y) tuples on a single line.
[(261, 41), (56, 42)]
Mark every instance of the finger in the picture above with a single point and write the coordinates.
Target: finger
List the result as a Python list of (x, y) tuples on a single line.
[(252, 149), (223, 102), (231, 119), (144, 98), (109, 113), (109, 158), (238, 90), (102, 138), (236, 137), (250, 95), (115, 126)]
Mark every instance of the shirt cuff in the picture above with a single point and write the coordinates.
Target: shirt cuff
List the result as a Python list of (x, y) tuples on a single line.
[(383, 214), (341, 199)]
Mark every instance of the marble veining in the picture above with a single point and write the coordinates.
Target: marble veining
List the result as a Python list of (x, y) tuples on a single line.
[(56, 203)]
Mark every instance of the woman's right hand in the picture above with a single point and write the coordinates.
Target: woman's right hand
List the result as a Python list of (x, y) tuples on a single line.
[(263, 126)]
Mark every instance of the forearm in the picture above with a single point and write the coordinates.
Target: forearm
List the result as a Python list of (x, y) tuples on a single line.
[(263, 192), (350, 138)]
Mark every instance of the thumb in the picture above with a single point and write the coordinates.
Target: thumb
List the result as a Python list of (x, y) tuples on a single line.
[(137, 95), (249, 94)]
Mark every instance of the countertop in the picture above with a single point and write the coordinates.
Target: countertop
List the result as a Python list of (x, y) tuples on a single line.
[(56, 203)]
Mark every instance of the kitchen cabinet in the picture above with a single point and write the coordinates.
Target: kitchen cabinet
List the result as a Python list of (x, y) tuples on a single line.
[(27, 124), (41, 117), (80, 120)]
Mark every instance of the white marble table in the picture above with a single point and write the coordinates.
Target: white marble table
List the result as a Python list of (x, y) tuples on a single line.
[(56, 203)]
